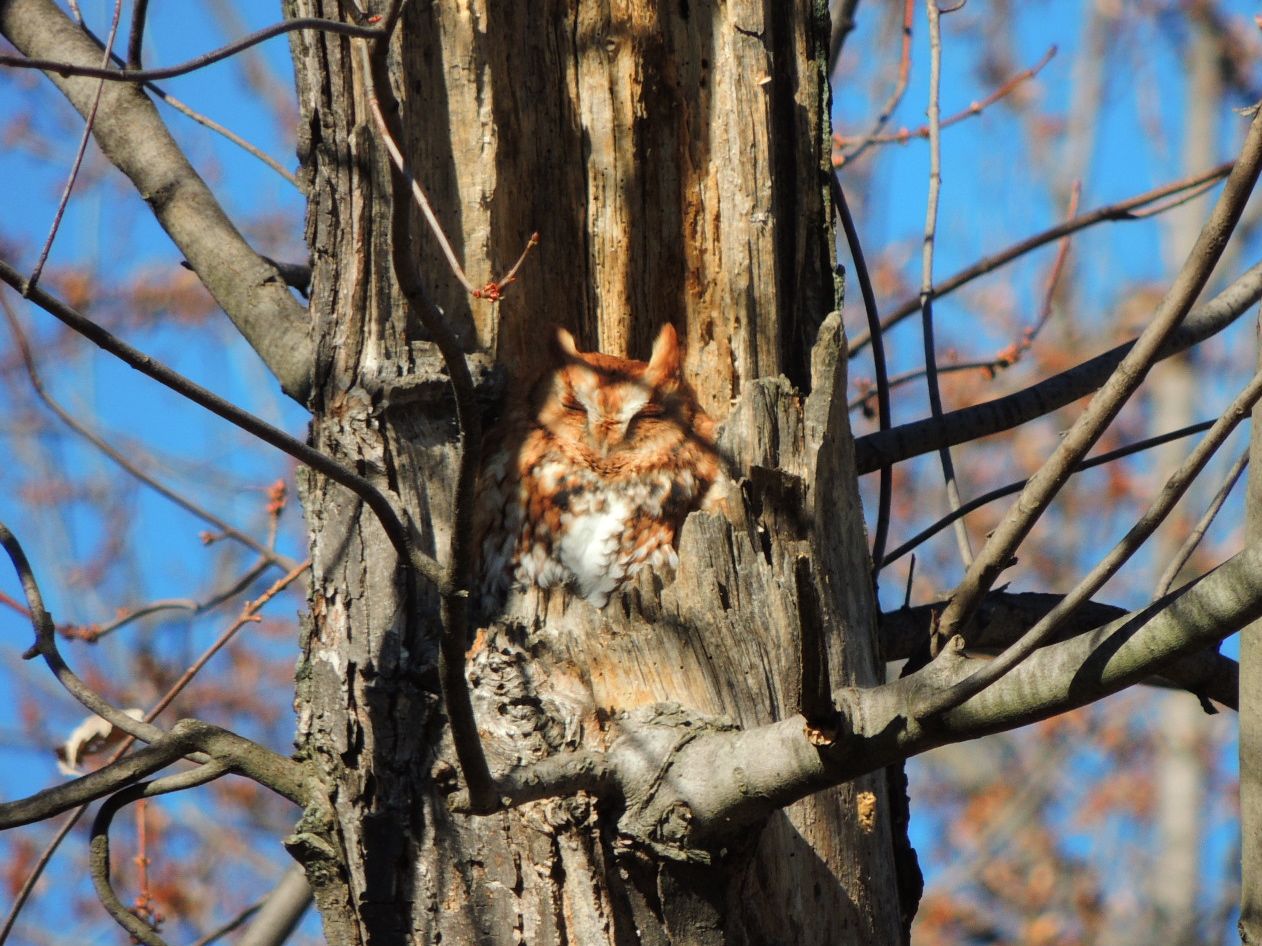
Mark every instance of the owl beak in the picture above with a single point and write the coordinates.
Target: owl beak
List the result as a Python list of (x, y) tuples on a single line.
[(607, 436)]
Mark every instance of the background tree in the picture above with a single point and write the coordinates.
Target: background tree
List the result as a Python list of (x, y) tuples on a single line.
[(675, 163)]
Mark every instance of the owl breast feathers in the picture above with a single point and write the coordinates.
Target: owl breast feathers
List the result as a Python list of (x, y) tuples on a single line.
[(589, 481)]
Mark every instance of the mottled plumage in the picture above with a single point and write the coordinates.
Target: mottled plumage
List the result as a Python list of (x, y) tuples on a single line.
[(588, 481)]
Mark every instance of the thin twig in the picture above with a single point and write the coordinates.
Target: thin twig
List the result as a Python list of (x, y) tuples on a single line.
[(454, 590), (986, 498), (493, 290), (228, 927), (37, 870), (94, 632), (900, 87), (136, 38), (248, 615), (926, 270), (904, 135), (991, 367), (843, 24), (46, 646), (881, 532), (1177, 201), (84, 138), (1010, 355), (1053, 278), (1194, 538), (226, 132), (418, 194), (1046, 483), (940, 701), (1052, 393), (393, 526), (143, 904), (99, 847), (208, 122), (200, 62), (37, 383), (1122, 210)]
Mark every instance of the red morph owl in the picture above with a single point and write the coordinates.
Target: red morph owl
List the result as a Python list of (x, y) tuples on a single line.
[(590, 480)]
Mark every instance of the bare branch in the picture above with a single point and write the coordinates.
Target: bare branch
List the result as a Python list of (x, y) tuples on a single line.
[(67, 65), (1146, 444), (204, 120), (904, 135), (240, 754), (94, 632), (1107, 567), (395, 531), (926, 273), (99, 850), (1004, 617), (997, 553), (247, 615), (280, 911), (1202, 526), (37, 871), (896, 96), (1122, 210), (134, 138), (46, 647), (881, 532), (1050, 394), (88, 788), (136, 38), (37, 383), (77, 163)]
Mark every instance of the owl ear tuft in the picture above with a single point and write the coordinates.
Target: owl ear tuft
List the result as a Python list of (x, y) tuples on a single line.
[(664, 363), (565, 344)]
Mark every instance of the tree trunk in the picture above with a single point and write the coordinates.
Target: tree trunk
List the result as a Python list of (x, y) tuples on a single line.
[(674, 160)]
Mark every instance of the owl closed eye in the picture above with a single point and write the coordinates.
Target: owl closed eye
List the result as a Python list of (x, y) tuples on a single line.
[(590, 480)]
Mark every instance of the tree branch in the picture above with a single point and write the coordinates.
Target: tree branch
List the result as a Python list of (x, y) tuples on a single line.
[(99, 849), (1005, 616), (926, 274), (1003, 413), (1123, 210), (886, 488), (280, 911), (134, 138), (88, 788), (996, 554), (377, 501), (118, 456), (66, 66), (46, 646)]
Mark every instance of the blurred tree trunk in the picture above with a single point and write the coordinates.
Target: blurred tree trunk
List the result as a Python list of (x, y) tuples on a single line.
[(1181, 779), (674, 159)]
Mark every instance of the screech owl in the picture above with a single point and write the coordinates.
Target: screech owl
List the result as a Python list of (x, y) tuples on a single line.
[(589, 480)]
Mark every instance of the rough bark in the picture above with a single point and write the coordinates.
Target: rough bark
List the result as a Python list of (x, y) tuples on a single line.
[(610, 131)]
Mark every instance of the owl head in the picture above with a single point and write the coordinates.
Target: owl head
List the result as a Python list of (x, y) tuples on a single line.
[(607, 408)]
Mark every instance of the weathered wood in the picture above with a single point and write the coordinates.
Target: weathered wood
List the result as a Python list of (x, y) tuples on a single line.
[(674, 159)]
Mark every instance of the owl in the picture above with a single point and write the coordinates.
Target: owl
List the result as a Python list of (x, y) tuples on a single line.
[(589, 480)]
